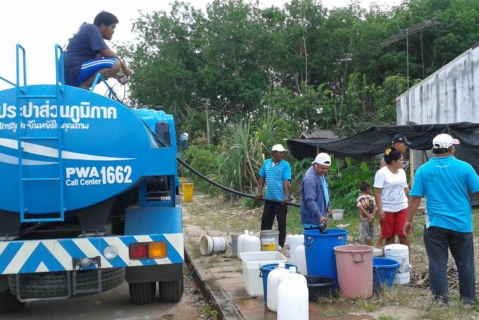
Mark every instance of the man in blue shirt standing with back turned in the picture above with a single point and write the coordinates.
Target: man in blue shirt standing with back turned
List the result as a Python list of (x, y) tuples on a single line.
[(445, 181), (276, 172), (315, 193)]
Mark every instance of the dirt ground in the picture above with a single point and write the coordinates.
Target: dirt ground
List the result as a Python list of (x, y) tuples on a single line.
[(403, 302)]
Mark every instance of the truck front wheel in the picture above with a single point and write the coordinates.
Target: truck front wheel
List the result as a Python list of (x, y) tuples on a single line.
[(142, 293)]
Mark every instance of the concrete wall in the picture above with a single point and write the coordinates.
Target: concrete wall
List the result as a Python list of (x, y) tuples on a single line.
[(449, 95)]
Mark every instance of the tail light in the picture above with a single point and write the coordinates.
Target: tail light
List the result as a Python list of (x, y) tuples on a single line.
[(148, 250)]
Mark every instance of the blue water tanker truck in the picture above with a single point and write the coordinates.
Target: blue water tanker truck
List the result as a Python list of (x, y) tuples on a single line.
[(89, 195)]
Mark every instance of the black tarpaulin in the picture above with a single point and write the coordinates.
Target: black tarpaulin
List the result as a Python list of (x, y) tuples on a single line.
[(376, 139)]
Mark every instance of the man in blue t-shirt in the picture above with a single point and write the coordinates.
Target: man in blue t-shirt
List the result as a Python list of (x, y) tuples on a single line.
[(445, 181), (87, 54), (276, 172)]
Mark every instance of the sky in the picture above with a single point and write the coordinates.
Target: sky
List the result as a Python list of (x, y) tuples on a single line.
[(38, 25)]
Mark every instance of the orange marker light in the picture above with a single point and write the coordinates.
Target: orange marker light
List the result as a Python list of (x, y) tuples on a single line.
[(157, 250)]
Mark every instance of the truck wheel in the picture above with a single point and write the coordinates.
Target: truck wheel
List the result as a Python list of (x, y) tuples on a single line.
[(54, 284), (142, 293), (9, 303), (171, 291)]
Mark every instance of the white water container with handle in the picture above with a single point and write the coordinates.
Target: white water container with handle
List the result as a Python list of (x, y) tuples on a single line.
[(274, 279), (251, 243), (240, 242), (293, 298), (292, 242), (300, 259), (294, 275)]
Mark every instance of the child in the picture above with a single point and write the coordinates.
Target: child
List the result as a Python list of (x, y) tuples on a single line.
[(367, 211)]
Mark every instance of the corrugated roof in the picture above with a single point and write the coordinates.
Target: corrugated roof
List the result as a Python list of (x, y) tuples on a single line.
[(319, 134)]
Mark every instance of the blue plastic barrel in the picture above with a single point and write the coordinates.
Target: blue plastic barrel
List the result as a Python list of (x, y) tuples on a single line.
[(319, 250), (265, 270), (384, 271)]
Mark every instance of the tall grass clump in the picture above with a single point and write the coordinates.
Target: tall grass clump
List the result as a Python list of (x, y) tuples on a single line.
[(243, 155)]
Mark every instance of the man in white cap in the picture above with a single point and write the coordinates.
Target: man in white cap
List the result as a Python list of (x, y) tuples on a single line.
[(445, 181), (276, 172), (315, 193)]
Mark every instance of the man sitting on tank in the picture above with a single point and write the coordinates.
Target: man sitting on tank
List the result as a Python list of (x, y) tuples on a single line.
[(87, 54)]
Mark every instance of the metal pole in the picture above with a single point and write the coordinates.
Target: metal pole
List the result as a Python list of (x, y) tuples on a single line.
[(407, 58)]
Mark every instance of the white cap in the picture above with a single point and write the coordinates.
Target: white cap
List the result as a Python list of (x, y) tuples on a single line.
[(292, 269), (281, 265), (323, 159), (278, 148), (443, 141)]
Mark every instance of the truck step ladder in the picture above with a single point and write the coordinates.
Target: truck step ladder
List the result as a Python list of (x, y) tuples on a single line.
[(24, 139)]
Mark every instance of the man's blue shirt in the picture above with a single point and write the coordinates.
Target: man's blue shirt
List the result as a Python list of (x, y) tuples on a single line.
[(85, 45), (274, 175), (445, 182), (313, 198)]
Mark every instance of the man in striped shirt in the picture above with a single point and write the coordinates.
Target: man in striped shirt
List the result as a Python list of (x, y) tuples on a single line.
[(276, 172)]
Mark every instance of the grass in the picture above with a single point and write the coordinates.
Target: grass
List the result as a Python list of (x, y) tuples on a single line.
[(210, 312)]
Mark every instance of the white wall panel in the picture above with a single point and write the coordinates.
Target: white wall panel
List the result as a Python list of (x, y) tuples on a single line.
[(449, 95)]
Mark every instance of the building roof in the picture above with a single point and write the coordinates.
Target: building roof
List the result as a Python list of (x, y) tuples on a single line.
[(318, 134)]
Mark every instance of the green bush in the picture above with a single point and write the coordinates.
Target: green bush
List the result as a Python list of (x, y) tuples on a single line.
[(344, 183), (205, 160)]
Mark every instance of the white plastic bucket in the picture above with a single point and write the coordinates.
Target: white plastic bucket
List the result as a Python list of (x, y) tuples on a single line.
[(209, 245), (269, 240), (338, 214), (292, 242), (400, 253)]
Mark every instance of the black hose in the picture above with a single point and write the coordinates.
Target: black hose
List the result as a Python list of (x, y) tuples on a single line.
[(228, 189)]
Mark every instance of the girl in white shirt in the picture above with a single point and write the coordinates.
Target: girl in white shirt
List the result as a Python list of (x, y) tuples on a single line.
[(390, 193)]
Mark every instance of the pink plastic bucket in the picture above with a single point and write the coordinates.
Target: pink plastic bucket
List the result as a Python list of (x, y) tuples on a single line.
[(355, 271)]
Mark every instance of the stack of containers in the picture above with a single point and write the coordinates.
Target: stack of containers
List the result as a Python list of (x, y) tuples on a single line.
[(320, 255)]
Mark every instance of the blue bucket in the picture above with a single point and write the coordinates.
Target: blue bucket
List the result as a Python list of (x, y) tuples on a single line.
[(319, 250), (265, 270), (384, 271)]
